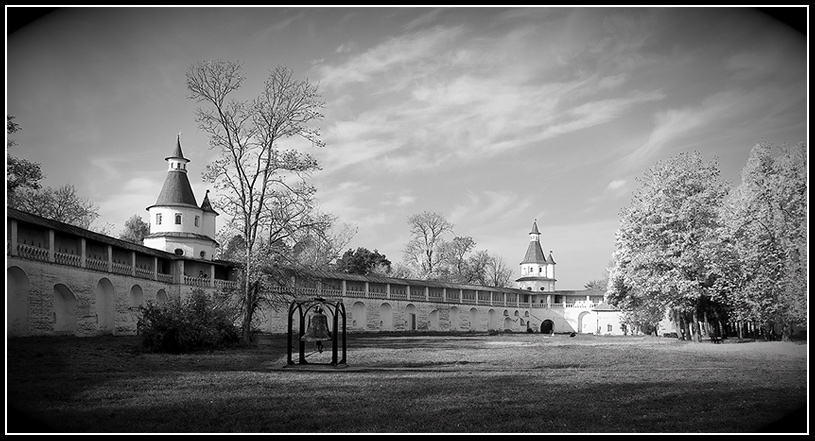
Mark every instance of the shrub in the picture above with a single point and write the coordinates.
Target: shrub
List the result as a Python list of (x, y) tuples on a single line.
[(194, 323)]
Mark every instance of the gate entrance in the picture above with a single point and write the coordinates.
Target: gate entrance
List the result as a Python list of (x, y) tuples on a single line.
[(547, 326)]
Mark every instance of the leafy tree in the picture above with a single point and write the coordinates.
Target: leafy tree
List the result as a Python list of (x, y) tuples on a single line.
[(135, 230), (22, 175), (363, 261), (765, 227), (667, 243), (263, 187), (597, 284), (11, 127), (427, 237)]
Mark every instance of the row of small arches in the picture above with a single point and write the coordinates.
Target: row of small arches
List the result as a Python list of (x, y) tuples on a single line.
[(65, 307), (363, 318)]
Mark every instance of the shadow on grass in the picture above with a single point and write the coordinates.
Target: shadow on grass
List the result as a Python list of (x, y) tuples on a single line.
[(106, 385), (422, 403)]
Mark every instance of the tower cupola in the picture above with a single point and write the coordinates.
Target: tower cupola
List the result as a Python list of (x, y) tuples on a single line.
[(177, 161), (535, 235)]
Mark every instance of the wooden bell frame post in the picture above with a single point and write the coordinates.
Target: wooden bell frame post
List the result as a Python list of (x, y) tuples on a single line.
[(333, 308)]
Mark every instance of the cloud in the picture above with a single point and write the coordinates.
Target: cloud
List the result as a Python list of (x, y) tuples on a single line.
[(400, 199), (282, 25), (615, 184), (352, 142), (130, 197), (455, 95), (717, 116), (424, 19), (597, 112), (392, 54), (353, 202), (480, 117), (487, 209), (347, 47)]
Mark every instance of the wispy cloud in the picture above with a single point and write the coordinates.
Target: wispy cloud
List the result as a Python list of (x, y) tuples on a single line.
[(488, 208), (717, 116), (394, 53), (402, 198), (424, 19), (435, 103), (281, 25)]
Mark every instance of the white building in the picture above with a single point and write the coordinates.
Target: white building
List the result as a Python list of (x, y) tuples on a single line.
[(177, 223)]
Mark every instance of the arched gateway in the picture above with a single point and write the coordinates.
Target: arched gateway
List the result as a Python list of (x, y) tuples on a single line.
[(547, 326)]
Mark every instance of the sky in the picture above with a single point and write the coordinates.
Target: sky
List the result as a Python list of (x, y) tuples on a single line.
[(495, 117)]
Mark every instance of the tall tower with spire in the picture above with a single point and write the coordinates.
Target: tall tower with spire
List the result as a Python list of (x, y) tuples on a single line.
[(177, 223), (537, 270)]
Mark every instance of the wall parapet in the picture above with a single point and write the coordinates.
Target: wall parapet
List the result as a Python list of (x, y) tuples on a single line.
[(77, 253)]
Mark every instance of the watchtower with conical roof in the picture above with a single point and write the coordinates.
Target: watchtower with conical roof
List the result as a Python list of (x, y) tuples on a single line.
[(537, 270), (177, 223)]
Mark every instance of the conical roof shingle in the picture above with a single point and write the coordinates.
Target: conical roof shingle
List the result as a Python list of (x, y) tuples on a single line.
[(534, 253), (176, 190), (206, 206)]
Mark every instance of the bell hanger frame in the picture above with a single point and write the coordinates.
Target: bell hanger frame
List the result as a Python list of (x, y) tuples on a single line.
[(335, 309)]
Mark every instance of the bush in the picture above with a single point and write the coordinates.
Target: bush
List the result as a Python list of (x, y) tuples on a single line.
[(194, 323)]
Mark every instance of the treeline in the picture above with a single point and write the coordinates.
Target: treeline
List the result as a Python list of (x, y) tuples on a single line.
[(431, 254), (721, 260)]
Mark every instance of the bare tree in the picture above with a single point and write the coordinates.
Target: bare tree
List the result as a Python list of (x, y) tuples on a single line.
[(498, 274), (261, 186), (319, 248), (454, 257), (427, 230), (61, 204)]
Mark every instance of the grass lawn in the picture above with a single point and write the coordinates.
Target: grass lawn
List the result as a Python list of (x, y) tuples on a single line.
[(411, 383)]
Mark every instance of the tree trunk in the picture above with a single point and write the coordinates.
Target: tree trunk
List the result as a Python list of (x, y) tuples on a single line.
[(678, 326), (785, 332), (248, 313), (707, 325), (247, 319), (697, 336)]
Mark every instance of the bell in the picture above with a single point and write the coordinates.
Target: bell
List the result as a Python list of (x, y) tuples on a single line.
[(317, 329)]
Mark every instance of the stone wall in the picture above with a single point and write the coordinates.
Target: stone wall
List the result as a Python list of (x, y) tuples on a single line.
[(103, 303), (32, 287), (429, 317)]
